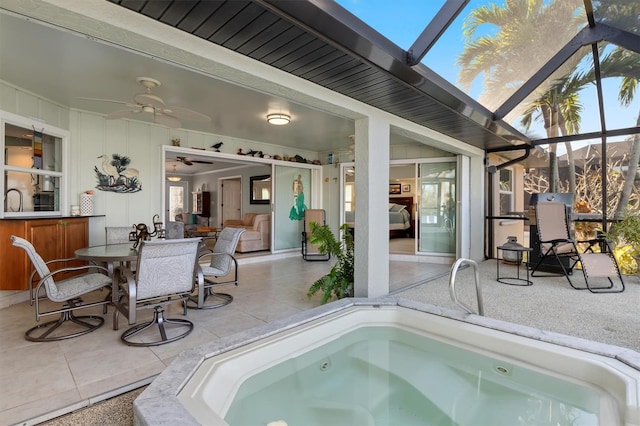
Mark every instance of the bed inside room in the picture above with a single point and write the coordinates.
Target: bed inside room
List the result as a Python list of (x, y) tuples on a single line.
[(401, 217)]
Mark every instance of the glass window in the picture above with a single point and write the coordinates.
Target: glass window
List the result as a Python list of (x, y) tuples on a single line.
[(349, 197), (31, 149), (32, 167), (506, 191)]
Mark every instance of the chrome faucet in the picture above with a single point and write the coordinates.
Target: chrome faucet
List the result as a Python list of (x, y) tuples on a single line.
[(6, 196)]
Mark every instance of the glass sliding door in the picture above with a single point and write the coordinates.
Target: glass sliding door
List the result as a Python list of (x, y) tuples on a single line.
[(348, 194), (292, 198), (437, 211)]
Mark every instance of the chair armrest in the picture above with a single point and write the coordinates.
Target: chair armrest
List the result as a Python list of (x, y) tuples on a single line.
[(595, 240), (199, 278), (212, 254), (74, 268), (48, 262), (560, 240), (605, 244), (204, 251), (61, 260)]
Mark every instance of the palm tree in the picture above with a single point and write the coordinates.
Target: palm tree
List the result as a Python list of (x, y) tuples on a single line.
[(624, 14), (560, 108), (619, 63), (625, 65), (529, 26)]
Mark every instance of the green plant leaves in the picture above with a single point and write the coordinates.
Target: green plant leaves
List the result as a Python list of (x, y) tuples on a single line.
[(339, 281)]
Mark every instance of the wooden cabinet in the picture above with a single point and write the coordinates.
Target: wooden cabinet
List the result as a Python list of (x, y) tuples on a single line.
[(53, 238), (201, 203)]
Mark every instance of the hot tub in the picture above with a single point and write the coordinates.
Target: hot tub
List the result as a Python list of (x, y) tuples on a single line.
[(391, 361)]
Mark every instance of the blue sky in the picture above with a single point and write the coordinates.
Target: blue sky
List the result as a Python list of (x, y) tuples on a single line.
[(402, 21)]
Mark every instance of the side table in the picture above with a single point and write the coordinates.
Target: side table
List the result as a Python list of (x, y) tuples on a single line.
[(519, 252), (209, 236)]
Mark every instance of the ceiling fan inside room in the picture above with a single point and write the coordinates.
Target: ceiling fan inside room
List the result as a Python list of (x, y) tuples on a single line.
[(148, 103), (189, 162)]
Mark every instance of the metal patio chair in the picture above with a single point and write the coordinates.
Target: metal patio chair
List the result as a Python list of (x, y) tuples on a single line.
[(166, 273), (66, 291), (596, 261), (221, 262), (118, 234)]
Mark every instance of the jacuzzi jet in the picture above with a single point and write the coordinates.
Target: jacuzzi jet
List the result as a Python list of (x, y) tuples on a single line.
[(325, 365), (503, 370)]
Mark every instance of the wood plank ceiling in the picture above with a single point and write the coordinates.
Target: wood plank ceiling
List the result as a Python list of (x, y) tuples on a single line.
[(339, 53)]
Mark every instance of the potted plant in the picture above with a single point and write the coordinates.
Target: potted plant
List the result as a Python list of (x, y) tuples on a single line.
[(626, 232), (339, 281)]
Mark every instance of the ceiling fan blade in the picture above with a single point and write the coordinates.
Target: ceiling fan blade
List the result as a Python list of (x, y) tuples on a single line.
[(184, 161), (110, 100), (149, 99), (185, 114), (202, 162), (121, 113), (167, 121)]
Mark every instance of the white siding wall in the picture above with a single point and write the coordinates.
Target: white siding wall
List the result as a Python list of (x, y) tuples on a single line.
[(92, 135)]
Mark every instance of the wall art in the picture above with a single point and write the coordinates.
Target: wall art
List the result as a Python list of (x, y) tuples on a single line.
[(115, 175)]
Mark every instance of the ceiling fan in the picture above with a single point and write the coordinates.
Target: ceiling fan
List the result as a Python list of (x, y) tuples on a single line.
[(188, 162), (147, 102)]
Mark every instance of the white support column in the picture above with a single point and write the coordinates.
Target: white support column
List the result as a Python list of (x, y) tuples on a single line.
[(372, 208)]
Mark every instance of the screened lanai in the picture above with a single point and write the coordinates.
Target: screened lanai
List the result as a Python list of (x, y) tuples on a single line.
[(338, 46), (528, 81)]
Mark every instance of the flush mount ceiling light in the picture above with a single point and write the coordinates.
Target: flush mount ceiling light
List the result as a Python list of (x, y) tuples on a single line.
[(174, 178), (278, 119)]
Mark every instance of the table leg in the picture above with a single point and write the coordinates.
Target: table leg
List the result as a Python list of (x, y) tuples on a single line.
[(516, 281)]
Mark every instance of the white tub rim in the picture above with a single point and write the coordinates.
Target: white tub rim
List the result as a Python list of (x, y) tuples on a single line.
[(159, 402)]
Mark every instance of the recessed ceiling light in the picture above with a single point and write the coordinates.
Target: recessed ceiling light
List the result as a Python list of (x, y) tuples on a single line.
[(278, 119)]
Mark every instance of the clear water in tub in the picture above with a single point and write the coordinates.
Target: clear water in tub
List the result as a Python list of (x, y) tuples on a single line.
[(389, 376)]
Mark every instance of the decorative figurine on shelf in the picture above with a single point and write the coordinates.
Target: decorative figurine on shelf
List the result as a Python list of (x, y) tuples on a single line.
[(142, 232)]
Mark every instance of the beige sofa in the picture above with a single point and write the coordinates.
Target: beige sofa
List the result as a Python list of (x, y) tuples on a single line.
[(257, 234)]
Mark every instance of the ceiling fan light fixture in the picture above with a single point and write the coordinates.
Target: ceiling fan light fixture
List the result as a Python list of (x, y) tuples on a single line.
[(149, 103), (174, 178), (278, 119)]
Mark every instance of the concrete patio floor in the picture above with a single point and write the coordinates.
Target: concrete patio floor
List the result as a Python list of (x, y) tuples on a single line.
[(98, 366)]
